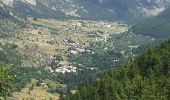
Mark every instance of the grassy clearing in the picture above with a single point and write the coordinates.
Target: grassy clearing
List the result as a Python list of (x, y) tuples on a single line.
[(38, 93), (95, 26)]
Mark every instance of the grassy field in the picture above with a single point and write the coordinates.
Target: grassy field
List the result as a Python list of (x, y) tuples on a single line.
[(38, 93), (94, 26), (66, 30)]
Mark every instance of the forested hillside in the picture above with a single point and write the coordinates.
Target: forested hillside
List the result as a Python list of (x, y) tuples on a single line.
[(145, 78), (155, 26)]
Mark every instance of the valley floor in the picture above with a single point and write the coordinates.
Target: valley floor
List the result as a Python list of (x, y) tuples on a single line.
[(64, 53)]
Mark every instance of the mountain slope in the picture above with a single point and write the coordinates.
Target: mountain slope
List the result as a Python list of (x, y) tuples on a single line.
[(88, 9), (5, 12), (156, 26), (145, 78)]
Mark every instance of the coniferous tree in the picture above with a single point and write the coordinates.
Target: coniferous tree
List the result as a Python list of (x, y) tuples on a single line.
[(5, 80)]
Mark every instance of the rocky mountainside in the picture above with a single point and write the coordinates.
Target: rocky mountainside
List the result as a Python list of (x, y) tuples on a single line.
[(157, 26), (5, 12), (90, 9)]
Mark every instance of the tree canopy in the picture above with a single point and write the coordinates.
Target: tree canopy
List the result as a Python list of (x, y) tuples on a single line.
[(5, 79)]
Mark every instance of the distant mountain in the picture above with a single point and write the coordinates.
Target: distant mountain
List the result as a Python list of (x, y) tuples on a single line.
[(88, 9), (158, 26)]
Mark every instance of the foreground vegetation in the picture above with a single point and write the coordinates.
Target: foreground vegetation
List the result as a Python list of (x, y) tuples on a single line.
[(145, 78), (5, 80)]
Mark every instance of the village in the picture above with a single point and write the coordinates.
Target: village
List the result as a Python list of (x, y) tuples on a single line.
[(44, 38)]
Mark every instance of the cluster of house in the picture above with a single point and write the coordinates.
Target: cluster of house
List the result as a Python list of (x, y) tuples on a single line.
[(99, 35), (64, 69), (97, 24), (76, 51)]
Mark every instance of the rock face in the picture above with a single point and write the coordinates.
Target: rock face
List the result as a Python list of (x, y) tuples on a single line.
[(157, 26), (5, 11), (89, 9)]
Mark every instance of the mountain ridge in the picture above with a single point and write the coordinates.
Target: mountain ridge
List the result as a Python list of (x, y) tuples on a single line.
[(88, 9)]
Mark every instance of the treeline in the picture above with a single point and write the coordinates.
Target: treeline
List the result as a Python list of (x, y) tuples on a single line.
[(145, 78)]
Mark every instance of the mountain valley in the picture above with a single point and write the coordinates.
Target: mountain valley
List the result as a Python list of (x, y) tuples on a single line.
[(59, 46), (71, 49)]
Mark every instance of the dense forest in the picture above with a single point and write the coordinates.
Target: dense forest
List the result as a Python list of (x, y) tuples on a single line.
[(145, 78)]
